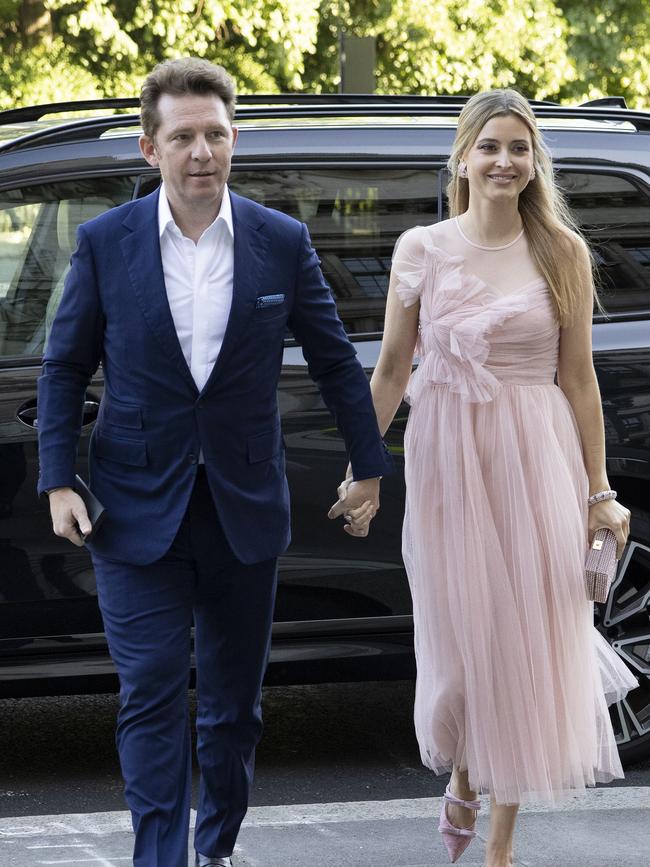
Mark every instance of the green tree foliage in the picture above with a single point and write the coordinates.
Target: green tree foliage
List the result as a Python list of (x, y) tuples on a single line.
[(450, 46), (609, 41), (106, 47), (566, 49)]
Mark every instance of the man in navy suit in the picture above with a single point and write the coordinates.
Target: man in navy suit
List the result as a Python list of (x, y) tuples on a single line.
[(184, 297)]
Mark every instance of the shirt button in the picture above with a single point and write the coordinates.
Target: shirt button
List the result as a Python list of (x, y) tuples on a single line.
[(192, 459)]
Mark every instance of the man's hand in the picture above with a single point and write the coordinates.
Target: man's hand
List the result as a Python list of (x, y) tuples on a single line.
[(359, 503), (69, 516)]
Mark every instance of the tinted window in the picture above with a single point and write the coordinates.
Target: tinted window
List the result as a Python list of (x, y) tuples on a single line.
[(354, 218), (38, 225), (614, 213)]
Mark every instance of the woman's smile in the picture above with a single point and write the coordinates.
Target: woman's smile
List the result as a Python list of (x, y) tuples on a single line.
[(502, 178)]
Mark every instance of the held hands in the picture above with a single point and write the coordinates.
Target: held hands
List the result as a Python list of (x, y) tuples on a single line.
[(613, 515), (69, 516), (358, 502)]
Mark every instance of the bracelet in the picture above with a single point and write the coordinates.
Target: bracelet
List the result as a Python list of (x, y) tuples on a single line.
[(600, 497)]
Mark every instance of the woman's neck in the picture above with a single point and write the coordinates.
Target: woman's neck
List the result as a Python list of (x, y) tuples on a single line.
[(491, 224)]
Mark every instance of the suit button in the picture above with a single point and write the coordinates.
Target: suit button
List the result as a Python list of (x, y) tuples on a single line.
[(193, 459)]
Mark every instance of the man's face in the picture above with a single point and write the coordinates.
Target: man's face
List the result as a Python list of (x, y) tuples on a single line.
[(192, 147)]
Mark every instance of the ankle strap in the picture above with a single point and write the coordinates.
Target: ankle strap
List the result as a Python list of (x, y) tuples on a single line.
[(452, 799)]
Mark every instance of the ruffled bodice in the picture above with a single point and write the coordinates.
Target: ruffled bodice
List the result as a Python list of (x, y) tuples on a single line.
[(462, 342)]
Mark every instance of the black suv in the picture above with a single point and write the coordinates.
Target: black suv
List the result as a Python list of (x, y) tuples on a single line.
[(358, 171)]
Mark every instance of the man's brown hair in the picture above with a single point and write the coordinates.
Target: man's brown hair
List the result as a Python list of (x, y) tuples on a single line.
[(181, 76)]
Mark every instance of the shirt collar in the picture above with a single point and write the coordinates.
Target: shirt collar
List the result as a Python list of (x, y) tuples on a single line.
[(166, 220)]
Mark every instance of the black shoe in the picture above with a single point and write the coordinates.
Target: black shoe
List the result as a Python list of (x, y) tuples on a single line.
[(206, 861)]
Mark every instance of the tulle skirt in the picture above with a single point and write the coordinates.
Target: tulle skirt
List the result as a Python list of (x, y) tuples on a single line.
[(513, 680)]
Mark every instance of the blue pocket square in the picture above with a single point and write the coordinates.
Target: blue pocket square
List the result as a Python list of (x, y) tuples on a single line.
[(269, 300)]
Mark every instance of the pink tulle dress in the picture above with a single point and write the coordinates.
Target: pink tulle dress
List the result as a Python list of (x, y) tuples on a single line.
[(513, 679)]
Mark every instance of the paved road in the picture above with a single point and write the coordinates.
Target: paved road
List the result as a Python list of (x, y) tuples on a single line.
[(602, 828), (326, 743)]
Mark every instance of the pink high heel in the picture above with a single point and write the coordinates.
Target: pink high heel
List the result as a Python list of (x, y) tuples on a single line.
[(456, 840)]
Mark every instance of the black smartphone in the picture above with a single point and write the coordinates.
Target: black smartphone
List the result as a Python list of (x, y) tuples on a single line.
[(96, 511)]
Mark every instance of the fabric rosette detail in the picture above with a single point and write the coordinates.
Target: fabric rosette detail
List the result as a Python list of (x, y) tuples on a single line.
[(456, 315), (409, 284)]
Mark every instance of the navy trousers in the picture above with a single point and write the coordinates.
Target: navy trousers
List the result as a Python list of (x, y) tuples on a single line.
[(148, 613)]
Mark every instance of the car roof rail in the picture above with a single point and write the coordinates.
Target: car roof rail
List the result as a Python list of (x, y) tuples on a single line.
[(640, 120), (31, 113), (78, 130), (281, 106), (287, 105), (360, 99), (614, 101)]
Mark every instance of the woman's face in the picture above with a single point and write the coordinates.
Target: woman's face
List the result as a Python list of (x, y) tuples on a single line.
[(500, 161)]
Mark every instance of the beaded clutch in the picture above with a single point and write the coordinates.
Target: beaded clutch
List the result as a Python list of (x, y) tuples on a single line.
[(600, 567)]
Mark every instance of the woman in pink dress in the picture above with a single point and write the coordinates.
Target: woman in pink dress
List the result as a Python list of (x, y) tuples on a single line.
[(500, 462)]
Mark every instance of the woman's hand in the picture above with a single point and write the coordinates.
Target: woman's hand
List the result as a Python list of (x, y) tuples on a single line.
[(614, 516), (358, 502)]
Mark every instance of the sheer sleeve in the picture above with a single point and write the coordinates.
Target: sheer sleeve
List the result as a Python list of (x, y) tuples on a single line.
[(409, 266)]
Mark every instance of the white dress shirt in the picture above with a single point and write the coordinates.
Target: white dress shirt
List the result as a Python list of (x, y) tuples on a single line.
[(198, 280)]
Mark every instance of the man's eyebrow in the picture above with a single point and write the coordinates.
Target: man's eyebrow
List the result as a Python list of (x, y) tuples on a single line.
[(179, 129)]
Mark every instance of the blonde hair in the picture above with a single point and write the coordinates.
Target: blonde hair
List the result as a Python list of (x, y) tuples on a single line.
[(552, 233)]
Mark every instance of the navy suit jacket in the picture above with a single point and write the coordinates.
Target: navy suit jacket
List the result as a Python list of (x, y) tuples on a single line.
[(153, 421)]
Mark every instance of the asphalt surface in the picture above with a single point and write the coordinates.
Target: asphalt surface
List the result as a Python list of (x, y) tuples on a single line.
[(601, 828), (343, 742), (325, 743), (339, 782)]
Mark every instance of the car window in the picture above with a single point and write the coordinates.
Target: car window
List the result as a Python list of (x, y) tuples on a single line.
[(614, 213), (38, 226), (354, 216)]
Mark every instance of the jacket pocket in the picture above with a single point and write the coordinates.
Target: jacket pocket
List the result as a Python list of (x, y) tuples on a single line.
[(122, 451), (123, 415), (269, 314), (264, 446)]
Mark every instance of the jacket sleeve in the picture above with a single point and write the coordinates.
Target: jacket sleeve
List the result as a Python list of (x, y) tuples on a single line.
[(72, 356), (334, 367)]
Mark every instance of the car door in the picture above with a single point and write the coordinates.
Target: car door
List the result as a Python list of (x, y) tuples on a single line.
[(355, 212), (47, 587), (613, 208)]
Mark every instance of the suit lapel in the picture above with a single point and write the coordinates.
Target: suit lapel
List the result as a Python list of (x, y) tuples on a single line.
[(141, 251), (250, 248)]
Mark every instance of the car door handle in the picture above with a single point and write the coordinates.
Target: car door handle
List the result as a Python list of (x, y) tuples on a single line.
[(91, 408), (28, 412)]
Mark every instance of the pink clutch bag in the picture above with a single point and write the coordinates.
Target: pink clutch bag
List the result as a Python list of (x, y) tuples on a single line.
[(600, 567)]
